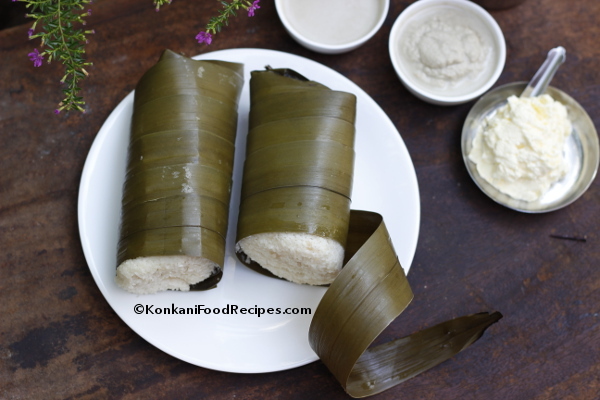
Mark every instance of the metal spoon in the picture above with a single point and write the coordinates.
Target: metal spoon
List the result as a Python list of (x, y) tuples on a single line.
[(544, 75)]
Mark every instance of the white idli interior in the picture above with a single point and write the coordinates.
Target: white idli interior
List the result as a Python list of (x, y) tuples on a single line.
[(296, 257), (146, 275)]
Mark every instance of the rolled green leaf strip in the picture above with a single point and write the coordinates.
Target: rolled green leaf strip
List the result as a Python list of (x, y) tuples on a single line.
[(182, 210), (306, 163), (153, 183), (299, 129), (296, 202), (177, 188), (181, 147), (370, 292), (311, 102), (188, 78)]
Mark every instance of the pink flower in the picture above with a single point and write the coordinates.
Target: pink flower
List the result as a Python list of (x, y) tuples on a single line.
[(36, 57), (253, 7), (204, 37)]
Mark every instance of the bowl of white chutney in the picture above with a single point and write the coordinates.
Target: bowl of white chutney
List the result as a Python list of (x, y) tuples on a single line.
[(332, 26), (447, 52)]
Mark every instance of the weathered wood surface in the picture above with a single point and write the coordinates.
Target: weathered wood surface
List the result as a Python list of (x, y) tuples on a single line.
[(60, 339)]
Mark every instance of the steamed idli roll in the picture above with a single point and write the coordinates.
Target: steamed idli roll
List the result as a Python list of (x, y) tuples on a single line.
[(297, 181), (177, 187)]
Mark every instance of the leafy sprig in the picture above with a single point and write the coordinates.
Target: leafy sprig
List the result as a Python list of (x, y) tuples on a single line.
[(62, 40), (222, 19)]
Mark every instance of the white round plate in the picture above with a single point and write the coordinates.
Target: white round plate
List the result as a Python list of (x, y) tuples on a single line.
[(384, 182)]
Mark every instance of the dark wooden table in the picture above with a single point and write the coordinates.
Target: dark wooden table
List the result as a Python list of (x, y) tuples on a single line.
[(59, 338)]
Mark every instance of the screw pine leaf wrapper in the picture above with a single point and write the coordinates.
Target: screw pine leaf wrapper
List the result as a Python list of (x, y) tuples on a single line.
[(295, 223), (178, 180)]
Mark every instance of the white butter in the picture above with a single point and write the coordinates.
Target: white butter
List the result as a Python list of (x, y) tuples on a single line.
[(520, 149)]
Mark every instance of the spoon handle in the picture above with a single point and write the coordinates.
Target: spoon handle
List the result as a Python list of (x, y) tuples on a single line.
[(544, 75)]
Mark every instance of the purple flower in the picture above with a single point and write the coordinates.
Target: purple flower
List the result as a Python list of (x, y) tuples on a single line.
[(204, 37), (253, 7), (30, 32), (57, 111), (36, 57)]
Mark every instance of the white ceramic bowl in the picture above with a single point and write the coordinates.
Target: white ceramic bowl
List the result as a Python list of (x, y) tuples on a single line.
[(468, 14), (349, 20)]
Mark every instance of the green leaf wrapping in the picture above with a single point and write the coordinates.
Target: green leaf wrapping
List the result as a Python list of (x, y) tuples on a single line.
[(180, 161), (297, 178), (370, 292), (301, 180)]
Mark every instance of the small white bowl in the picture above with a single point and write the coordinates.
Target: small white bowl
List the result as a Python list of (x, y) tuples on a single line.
[(332, 26), (466, 14)]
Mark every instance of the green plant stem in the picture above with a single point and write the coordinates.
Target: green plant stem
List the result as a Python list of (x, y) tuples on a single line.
[(229, 10), (71, 100), (63, 42)]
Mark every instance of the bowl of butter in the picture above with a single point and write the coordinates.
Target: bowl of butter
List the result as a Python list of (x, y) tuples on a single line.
[(530, 154)]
